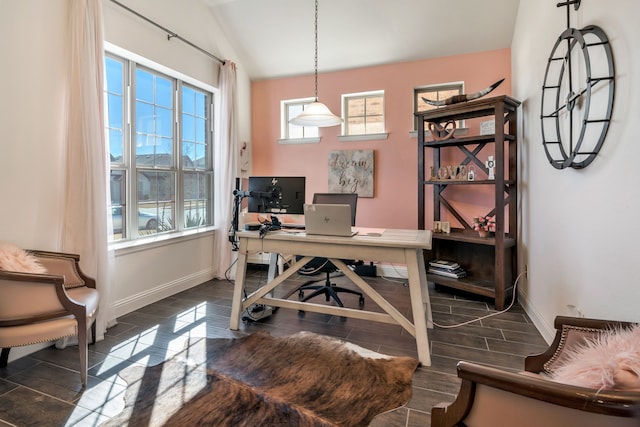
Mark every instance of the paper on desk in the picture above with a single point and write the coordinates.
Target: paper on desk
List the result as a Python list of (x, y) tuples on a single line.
[(364, 231)]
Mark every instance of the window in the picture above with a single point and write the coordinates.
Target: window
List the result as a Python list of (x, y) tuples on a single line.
[(435, 93), (290, 109), (363, 113), (160, 146)]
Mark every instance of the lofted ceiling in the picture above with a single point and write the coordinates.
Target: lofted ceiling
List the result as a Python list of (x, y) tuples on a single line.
[(275, 38)]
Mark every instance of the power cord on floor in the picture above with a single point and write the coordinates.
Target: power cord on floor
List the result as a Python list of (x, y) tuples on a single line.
[(513, 300)]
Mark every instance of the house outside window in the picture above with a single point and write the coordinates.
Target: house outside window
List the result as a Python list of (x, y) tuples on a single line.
[(291, 134), (436, 93), (160, 145), (363, 113)]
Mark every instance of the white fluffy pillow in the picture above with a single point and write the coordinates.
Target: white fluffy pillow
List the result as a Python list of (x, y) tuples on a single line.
[(609, 362), (13, 258)]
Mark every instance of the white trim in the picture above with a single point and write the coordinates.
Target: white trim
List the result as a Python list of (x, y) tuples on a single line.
[(548, 331), (162, 239), (284, 123), (438, 85), (314, 140), (141, 60), (392, 270), (347, 96), (150, 296), (363, 137)]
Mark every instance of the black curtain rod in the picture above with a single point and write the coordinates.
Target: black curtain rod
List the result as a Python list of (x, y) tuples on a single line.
[(170, 34)]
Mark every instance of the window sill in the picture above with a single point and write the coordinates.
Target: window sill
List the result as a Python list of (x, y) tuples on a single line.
[(315, 140), (365, 137), (146, 243)]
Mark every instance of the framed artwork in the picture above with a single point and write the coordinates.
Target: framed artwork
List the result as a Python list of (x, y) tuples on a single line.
[(442, 227), (351, 171)]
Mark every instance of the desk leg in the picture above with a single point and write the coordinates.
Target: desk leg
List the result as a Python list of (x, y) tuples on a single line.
[(426, 299), (241, 273), (418, 306), (274, 269)]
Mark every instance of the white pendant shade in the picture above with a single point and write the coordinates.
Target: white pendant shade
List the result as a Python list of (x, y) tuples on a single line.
[(316, 114)]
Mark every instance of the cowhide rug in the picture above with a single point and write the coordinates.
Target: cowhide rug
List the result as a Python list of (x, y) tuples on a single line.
[(259, 380)]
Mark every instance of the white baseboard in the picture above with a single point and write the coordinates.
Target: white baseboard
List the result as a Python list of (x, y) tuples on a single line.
[(547, 331), (132, 303), (18, 352), (149, 296), (397, 271)]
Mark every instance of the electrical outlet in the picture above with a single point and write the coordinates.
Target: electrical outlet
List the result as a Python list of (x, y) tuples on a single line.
[(575, 310)]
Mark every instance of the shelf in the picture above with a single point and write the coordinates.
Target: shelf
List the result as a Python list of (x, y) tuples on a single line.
[(466, 182), (468, 284), (467, 110), (490, 263), (467, 140), (468, 236)]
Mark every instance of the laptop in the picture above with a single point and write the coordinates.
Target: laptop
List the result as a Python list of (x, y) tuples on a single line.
[(328, 220)]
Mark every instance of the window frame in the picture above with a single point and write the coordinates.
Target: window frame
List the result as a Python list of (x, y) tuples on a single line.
[(130, 168), (439, 87), (345, 112), (285, 126)]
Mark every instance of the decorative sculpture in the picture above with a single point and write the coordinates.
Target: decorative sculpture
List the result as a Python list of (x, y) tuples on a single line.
[(491, 164), (463, 98), (440, 132)]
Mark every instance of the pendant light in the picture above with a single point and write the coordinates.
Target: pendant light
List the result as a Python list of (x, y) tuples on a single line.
[(316, 113)]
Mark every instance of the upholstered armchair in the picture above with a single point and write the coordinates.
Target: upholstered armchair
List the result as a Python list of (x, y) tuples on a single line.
[(493, 397), (57, 302)]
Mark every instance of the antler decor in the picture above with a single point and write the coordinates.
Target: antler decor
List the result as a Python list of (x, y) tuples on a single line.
[(463, 98)]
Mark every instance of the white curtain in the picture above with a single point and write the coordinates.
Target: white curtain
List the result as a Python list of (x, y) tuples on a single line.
[(84, 230), (226, 170)]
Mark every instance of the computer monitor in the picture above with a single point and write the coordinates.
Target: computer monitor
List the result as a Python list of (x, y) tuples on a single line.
[(276, 194)]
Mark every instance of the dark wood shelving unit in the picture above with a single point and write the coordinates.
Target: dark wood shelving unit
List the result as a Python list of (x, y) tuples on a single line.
[(490, 262)]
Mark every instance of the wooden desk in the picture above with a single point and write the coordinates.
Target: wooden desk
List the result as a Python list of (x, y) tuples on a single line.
[(395, 246)]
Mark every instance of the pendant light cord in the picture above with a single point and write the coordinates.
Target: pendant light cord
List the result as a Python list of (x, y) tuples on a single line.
[(316, 52)]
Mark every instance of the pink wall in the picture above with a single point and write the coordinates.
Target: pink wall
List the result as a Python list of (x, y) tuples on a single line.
[(394, 204)]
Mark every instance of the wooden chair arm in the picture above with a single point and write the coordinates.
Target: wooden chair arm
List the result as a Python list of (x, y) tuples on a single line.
[(610, 403), (31, 277), (617, 403), (44, 295), (535, 363), (40, 253), (71, 258)]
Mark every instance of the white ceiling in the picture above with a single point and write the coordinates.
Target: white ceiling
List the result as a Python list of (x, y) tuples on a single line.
[(274, 38)]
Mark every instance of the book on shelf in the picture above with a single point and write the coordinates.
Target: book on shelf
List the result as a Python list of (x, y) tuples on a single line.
[(447, 265), (457, 273)]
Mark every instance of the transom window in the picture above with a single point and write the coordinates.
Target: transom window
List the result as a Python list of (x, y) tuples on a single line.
[(363, 113), (160, 145), (436, 93)]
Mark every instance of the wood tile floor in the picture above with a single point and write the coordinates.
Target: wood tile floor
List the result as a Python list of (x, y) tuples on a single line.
[(44, 389)]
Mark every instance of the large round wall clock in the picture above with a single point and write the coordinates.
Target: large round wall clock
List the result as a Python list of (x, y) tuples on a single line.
[(577, 95)]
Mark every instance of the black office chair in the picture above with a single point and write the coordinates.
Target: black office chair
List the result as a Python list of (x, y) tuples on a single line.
[(323, 265)]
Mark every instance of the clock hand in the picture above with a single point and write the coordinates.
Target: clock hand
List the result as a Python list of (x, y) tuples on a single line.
[(572, 97)]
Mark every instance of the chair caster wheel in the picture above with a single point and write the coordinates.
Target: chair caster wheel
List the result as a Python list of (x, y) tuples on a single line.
[(361, 302), (301, 313), (301, 295)]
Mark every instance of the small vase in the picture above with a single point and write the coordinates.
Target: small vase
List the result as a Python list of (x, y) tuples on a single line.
[(483, 233)]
